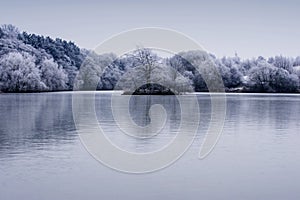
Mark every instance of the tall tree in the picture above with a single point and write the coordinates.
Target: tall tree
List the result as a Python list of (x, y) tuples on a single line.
[(53, 76)]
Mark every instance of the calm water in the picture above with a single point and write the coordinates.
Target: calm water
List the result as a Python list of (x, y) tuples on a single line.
[(257, 157)]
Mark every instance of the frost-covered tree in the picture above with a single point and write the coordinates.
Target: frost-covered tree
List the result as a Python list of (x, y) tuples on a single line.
[(230, 69), (87, 78), (53, 76), (297, 61), (94, 70), (202, 65), (283, 62), (64, 53), (267, 78), (283, 81), (177, 79), (182, 63), (111, 71), (176, 82), (18, 73), (48, 61), (261, 76), (9, 31), (146, 69), (147, 64), (245, 66)]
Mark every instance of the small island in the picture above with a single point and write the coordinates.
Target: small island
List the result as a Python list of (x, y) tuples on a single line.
[(151, 89)]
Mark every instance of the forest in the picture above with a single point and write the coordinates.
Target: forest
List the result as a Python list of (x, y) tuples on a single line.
[(35, 63)]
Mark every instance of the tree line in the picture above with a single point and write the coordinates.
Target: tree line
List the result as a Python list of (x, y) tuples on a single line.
[(34, 63)]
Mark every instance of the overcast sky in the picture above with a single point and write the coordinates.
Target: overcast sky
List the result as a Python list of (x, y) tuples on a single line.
[(250, 28)]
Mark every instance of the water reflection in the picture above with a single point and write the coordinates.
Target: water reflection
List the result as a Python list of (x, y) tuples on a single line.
[(277, 113), (139, 107), (42, 158), (34, 121)]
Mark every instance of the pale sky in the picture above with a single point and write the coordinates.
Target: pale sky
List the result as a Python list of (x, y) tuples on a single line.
[(250, 28)]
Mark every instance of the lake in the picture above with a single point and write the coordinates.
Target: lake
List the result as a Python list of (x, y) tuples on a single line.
[(257, 156)]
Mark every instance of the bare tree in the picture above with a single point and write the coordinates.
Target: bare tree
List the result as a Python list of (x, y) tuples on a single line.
[(147, 62), (146, 69)]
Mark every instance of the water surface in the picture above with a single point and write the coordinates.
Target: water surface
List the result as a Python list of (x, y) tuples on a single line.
[(257, 157)]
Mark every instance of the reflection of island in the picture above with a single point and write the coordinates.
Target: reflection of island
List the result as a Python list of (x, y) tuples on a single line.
[(139, 110), (139, 107)]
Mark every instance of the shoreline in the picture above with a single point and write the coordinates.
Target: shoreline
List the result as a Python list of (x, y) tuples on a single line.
[(122, 92)]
